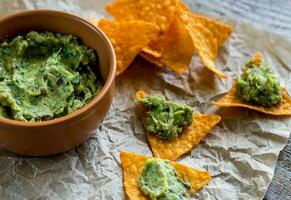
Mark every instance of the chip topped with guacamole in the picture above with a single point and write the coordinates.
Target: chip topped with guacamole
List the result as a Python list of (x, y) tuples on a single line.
[(164, 118), (154, 178), (259, 84), (152, 107), (45, 76), (258, 88), (159, 180)]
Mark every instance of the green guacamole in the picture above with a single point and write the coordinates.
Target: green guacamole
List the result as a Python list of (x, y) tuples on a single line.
[(159, 181), (164, 118), (258, 84), (46, 75)]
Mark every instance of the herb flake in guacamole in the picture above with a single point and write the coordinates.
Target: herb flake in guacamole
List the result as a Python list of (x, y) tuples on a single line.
[(259, 84), (159, 181), (46, 75), (164, 118)]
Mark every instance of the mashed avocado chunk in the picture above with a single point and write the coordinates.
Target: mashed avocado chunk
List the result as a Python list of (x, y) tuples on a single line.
[(46, 75), (258, 84), (159, 181), (165, 118)]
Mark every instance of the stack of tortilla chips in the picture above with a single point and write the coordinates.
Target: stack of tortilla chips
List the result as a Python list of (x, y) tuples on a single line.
[(164, 32)]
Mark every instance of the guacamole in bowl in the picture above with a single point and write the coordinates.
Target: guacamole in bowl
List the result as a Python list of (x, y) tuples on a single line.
[(46, 75)]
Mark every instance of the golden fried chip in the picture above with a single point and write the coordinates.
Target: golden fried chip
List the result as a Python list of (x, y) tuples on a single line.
[(132, 166), (152, 59), (257, 59), (128, 39), (178, 51), (190, 137), (232, 100), (140, 94), (159, 12), (207, 36), (183, 6)]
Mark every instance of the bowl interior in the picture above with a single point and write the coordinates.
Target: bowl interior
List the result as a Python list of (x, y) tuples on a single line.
[(61, 22)]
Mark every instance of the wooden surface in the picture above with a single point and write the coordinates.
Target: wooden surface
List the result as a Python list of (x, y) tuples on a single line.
[(273, 15)]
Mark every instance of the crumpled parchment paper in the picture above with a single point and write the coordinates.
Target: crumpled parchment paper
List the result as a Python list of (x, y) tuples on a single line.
[(240, 152)]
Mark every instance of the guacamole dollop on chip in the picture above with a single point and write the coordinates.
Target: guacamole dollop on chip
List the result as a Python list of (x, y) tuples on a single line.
[(164, 118), (159, 180), (187, 139), (133, 165), (258, 89), (258, 84), (46, 75)]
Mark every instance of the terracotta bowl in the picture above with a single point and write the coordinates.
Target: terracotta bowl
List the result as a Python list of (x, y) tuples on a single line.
[(60, 134)]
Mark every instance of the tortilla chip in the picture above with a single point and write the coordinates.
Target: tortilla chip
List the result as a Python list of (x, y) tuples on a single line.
[(183, 6), (208, 36), (185, 142), (179, 49), (190, 137), (232, 100), (257, 59), (132, 166), (128, 39), (159, 12), (152, 59), (140, 94)]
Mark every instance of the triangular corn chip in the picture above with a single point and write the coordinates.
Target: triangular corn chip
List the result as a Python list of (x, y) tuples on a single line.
[(190, 137), (140, 94), (159, 12), (231, 99), (257, 59), (132, 166), (152, 59), (207, 35), (178, 51), (183, 6), (128, 39)]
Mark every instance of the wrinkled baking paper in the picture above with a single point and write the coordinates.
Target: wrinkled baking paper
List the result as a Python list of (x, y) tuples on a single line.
[(240, 152)]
